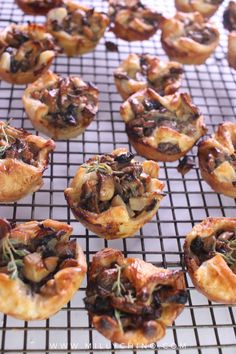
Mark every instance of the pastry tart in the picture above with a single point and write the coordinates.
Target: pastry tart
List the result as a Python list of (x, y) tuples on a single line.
[(131, 301), (113, 195), (217, 160), (38, 7), (162, 128), (231, 55), (133, 21), (77, 28), (210, 256), (40, 268), (229, 16), (137, 72), (26, 52), (60, 107), (23, 159), (188, 38), (206, 8)]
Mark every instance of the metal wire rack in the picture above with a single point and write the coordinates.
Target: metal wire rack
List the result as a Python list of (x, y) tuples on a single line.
[(203, 327)]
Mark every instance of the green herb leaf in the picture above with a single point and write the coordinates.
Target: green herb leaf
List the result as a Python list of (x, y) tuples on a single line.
[(96, 166), (118, 318)]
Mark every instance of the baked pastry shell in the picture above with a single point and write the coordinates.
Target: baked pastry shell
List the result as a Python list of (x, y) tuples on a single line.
[(223, 141), (171, 102), (37, 110), (231, 55), (184, 49), (18, 179), (141, 274), (76, 44), (44, 62), (206, 10), (127, 87), (115, 222), (34, 10), (16, 299), (213, 278)]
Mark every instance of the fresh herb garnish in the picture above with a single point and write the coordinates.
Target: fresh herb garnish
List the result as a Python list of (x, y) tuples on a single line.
[(6, 138), (118, 286), (97, 166), (118, 315)]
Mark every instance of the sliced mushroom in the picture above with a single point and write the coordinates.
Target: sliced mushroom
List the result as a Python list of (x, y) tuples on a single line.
[(34, 268), (51, 263), (107, 187)]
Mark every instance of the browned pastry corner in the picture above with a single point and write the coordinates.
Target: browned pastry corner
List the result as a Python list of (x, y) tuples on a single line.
[(231, 55), (113, 195), (162, 128), (40, 268), (210, 256), (131, 301), (26, 52), (217, 160), (60, 107), (38, 7), (229, 16), (206, 8), (133, 21), (77, 28), (23, 159), (139, 71), (189, 38)]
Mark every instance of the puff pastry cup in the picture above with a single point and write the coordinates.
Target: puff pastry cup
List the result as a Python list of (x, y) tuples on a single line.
[(40, 268), (77, 28), (206, 8), (229, 16), (38, 7), (189, 38), (139, 71), (131, 301), (60, 107), (26, 52), (23, 159), (217, 160), (162, 128), (133, 21), (113, 195), (210, 256)]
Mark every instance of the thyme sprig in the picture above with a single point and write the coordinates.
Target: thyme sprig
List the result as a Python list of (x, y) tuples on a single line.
[(230, 256), (6, 137), (97, 166), (9, 252), (118, 315), (118, 287)]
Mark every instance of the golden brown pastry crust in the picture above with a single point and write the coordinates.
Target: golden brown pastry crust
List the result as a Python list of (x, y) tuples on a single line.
[(231, 55), (217, 160), (117, 220), (205, 8), (144, 278), (17, 299), (19, 175), (139, 71), (38, 7), (132, 21), (213, 278), (55, 117), (162, 128), (188, 38), (92, 25), (27, 51)]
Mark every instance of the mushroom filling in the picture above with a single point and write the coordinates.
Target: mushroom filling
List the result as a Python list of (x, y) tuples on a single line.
[(36, 261), (216, 157), (16, 147), (151, 115), (24, 50), (68, 104), (136, 16), (110, 293), (114, 181), (199, 33), (143, 74), (223, 242), (79, 22), (43, 4), (229, 17)]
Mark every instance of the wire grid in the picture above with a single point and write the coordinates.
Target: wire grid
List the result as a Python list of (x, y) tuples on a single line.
[(202, 327)]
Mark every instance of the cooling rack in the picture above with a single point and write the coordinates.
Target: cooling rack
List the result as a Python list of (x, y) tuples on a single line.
[(203, 327)]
